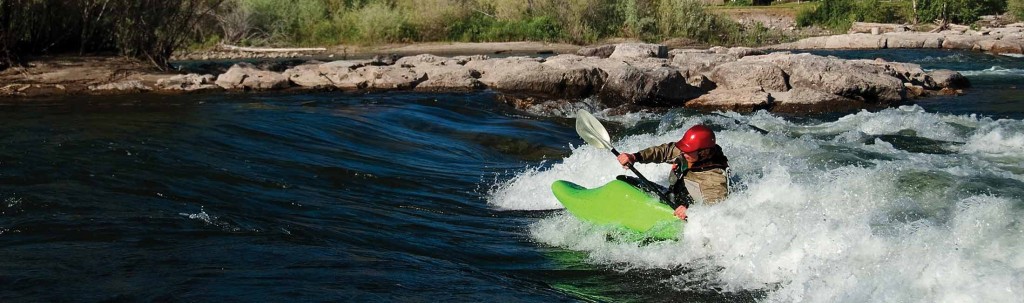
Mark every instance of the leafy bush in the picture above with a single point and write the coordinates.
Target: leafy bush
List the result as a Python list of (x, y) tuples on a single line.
[(689, 19), (838, 15), (145, 29), (833, 14), (379, 23), (958, 11), (1016, 8), (883, 11)]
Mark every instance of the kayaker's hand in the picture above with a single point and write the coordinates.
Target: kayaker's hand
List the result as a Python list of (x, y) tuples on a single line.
[(625, 159), (681, 212)]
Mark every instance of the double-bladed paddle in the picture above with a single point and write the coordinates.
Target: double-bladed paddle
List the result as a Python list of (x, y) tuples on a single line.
[(591, 130)]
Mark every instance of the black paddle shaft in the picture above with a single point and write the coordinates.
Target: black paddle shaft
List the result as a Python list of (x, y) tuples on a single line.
[(649, 184)]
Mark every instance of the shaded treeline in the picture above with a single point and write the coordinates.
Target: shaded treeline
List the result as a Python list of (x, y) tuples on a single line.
[(147, 29), (326, 22), (840, 14), (153, 29)]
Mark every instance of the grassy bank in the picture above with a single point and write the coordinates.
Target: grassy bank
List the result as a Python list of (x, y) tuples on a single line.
[(838, 15), (327, 22), (153, 29)]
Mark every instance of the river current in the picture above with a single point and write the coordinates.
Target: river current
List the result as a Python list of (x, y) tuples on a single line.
[(400, 196)]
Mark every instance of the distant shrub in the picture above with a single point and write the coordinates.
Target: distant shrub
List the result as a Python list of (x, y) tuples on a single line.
[(883, 11), (958, 11), (689, 19), (147, 29), (1016, 8), (380, 23), (584, 21), (833, 14)]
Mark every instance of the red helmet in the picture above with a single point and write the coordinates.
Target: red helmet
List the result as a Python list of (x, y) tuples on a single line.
[(696, 138)]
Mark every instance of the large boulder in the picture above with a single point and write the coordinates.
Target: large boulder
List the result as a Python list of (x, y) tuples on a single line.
[(338, 73), (639, 50), (906, 72), (914, 40), (961, 41), (745, 99), (188, 82), (567, 61), (603, 51), (554, 82), (1000, 46), (123, 86), (443, 73), (945, 78), (493, 70), (856, 41), (836, 76), (629, 85), (740, 74), (426, 60), (307, 75), (447, 78), (741, 52), (384, 77), (809, 100), (699, 63), (523, 75), (246, 76)]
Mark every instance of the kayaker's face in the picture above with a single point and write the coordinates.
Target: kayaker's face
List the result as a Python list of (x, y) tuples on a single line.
[(690, 157)]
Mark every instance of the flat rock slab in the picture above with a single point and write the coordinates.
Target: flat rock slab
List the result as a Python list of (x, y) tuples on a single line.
[(246, 76), (741, 100)]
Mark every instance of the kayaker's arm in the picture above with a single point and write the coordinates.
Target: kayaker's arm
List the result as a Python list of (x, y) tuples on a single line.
[(664, 153)]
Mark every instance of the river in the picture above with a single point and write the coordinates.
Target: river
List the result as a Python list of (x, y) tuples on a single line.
[(401, 196)]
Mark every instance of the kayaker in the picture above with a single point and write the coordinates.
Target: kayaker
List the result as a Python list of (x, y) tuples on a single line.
[(698, 168)]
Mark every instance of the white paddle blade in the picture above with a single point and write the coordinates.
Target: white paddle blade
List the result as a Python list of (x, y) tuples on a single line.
[(591, 130)]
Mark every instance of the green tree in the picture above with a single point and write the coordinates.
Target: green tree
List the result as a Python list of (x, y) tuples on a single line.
[(958, 11), (1016, 7)]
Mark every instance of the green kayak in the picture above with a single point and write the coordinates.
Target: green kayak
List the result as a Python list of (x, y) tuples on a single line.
[(619, 204)]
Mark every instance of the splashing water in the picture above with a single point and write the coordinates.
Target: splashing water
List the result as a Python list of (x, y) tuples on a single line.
[(891, 206)]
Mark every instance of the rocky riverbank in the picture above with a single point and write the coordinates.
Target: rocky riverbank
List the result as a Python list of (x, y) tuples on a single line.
[(625, 76), (1008, 39)]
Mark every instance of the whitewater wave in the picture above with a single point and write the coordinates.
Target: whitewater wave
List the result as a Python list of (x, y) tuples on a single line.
[(994, 71), (848, 210)]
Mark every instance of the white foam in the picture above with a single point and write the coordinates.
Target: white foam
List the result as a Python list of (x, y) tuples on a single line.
[(1002, 137), (896, 230), (995, 70)]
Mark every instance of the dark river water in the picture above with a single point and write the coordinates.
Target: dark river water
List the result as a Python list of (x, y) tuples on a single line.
[(413, 197)]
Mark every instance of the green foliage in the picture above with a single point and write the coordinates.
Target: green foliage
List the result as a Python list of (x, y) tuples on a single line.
[(839, 14), (152, 29), (883, 11), (1016, 8), (833, 14), (638, 18), (145, 29), (380, 23), (484, 28), (689, 19), (958, 11)]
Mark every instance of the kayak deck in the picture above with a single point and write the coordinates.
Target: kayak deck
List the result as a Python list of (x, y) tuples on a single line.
[(619, 204)]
